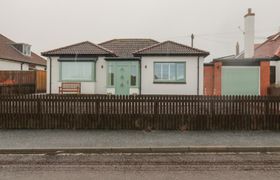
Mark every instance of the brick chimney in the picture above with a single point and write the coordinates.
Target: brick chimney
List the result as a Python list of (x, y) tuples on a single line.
[(249, 34)]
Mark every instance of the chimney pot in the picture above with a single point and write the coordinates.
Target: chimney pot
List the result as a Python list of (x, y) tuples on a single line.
[(250, 13)]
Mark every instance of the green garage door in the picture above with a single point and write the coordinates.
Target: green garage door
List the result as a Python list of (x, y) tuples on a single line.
[(240, 80)]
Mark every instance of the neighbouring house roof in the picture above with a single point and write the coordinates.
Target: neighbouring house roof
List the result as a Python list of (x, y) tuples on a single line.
[(171, 48), (126, 47), (238, 62), (278, 52), (266, 49), (82, 48), (269, 47), (8, 52)]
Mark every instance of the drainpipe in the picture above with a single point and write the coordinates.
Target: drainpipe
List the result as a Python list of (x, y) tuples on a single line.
[(50, 75), (198, 75), (140, 76)]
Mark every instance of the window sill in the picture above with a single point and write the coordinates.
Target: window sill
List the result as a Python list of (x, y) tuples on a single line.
[(80, 81), (168, 82)]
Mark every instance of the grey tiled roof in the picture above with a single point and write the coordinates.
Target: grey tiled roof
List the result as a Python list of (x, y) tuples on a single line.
[(83, 48), (170, 48), (126, 47), (8, 52)]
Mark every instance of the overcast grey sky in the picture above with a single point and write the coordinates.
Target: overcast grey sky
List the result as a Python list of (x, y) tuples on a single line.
[(48, 24)]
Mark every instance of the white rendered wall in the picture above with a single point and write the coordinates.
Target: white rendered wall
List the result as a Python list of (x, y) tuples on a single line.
[(133, 91), (190, 88), (110, 90), (48, 75), (6, 65), (101, 76), (42, 68), (9, 65), (86, 87), (25, 67)]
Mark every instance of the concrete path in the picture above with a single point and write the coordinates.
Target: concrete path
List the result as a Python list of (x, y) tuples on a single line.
[(34, 139)]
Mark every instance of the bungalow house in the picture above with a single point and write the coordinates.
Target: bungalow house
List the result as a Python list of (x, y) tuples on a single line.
[(250, 72), (127, 66), (18, 56)]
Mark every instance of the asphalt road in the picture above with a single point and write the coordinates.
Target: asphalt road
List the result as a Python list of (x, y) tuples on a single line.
[(211, 166)]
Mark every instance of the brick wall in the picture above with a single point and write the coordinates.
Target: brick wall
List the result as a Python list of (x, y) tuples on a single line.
[(212, 79), (264, 77), (208, 80), (217, 78)]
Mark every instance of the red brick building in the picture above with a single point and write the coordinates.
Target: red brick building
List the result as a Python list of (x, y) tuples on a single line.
[(237, 77)]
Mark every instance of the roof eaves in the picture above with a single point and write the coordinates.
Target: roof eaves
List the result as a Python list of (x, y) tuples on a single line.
[(199, 52), (22, 61), (61, 48), (52, 52)]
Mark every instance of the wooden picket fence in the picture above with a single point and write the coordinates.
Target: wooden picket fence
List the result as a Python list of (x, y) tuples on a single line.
[(159, 112)]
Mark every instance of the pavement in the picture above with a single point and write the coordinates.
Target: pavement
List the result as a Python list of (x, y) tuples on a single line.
[(92, 139)]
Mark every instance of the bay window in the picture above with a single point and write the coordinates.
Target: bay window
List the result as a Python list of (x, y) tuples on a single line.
[(77, 71)]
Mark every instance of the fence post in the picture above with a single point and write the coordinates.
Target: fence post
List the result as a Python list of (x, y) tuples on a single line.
[(212, 113), (156, 109), (39, 108), (35, 80), (97, 107), (266, 112)]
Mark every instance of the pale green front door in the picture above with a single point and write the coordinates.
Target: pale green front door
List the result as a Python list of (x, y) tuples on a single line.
[(122, 85)]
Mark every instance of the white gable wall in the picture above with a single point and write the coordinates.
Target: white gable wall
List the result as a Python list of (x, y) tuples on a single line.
[(6, 65), (190, 88), (38, 67)]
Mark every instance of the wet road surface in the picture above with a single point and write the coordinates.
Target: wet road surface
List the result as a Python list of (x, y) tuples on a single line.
[(210, 166)]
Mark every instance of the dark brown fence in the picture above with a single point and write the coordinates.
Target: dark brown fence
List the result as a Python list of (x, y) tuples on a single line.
[(140, 112), (22, 82), (41, 81)]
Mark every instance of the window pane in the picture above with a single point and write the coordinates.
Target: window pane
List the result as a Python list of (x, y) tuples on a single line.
[(76, 71), (165, 71), (111, 76), (133, 75), (157, 73), (180, 71), (172, 71)]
